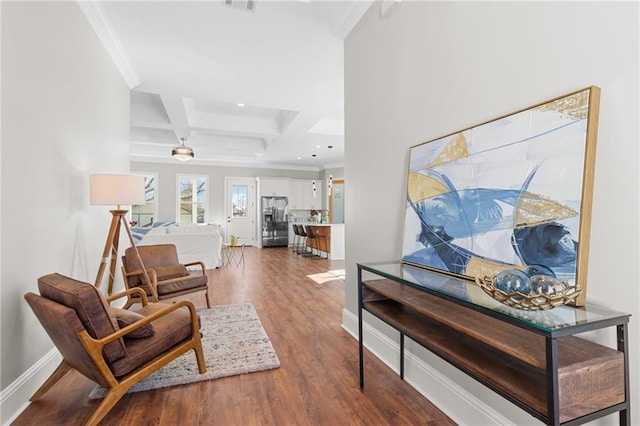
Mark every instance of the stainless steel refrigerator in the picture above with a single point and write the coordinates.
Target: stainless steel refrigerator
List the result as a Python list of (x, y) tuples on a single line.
[(275, 221)]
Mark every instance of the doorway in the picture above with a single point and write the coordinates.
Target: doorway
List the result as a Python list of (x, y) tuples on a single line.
[(240, 209), (336, 202)]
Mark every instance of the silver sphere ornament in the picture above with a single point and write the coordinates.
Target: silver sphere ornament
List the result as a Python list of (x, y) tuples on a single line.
[(512, 280), (546, 285), (532, 270)]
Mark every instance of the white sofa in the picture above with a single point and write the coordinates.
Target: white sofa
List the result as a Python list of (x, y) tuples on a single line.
[(193, 242)]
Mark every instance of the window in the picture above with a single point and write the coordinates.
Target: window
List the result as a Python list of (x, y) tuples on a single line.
[(239, 196), (145, 214), (192, 199)]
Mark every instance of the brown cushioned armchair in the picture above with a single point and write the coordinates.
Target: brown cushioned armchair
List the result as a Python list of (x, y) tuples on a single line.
[(84, 328), (168, 279)]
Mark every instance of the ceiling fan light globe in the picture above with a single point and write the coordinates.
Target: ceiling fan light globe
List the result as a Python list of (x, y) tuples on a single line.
[(182, 153)]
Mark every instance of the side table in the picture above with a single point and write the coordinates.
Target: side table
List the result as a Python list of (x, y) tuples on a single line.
[(231, 252)]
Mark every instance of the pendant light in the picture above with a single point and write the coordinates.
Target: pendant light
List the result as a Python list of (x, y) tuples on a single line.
[(182, 152)]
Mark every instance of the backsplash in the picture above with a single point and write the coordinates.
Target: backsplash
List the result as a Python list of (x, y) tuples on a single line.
[(309, 216)]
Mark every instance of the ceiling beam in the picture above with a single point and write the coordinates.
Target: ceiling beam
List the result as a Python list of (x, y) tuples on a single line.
[(174, 106)]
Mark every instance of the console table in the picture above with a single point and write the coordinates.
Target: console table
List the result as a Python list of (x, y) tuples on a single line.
[(533, 359)]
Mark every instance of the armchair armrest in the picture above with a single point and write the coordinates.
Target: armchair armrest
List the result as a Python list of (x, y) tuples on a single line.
[(151, 273), (129, 292), (138, 272), (200, 264)]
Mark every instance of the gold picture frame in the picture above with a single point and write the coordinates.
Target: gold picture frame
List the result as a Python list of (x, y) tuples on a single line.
[(507, 193)]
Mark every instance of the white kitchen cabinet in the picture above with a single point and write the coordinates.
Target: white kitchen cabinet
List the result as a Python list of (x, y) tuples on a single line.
[(295, 195), (301, 195), (274, 187)]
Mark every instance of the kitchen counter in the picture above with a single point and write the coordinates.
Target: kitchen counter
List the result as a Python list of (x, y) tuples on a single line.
[(334, 234)]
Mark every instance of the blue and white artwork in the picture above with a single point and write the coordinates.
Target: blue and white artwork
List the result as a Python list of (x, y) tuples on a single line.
[(505, 194)]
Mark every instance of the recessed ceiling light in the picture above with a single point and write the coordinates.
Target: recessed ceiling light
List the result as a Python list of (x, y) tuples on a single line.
[(318, 146), (299, 158), (240, 105)]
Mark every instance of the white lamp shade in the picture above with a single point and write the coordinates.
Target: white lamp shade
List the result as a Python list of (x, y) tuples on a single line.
[(116, 189)]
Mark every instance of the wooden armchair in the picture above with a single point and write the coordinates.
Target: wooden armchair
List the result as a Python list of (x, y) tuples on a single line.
[(85, 330), (168, 279)]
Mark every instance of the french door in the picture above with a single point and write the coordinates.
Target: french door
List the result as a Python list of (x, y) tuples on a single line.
[(240, 209)]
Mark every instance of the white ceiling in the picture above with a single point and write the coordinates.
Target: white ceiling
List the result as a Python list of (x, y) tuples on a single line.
[(190, 64)]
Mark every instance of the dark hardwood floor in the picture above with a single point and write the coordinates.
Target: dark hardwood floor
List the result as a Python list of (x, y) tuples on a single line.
[(316, 384)]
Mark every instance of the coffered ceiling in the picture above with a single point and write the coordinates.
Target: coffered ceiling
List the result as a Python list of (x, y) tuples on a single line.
[(255, 83)]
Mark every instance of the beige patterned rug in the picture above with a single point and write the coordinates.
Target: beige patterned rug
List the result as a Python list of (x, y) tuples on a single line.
[(233, 341)]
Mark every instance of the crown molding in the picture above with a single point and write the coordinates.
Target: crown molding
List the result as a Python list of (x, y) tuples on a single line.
[(333, 166), (355, 11), (101, 25)]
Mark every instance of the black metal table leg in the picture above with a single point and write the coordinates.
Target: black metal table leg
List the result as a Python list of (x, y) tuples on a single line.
[(553, 399), (623, 346), (402, 356), (360, 347)]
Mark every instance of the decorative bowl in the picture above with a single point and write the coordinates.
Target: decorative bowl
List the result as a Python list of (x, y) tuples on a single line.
[(528, 302)]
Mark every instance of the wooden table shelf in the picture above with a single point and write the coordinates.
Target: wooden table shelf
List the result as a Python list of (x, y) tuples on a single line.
[(539, 366)]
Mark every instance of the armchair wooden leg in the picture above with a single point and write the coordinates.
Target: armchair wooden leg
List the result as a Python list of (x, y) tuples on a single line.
[(206, 295), (202, 368), (62, 369), (107, 403)]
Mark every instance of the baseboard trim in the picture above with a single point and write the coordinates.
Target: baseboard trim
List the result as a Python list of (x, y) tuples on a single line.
[(15, 398), (425, 374)]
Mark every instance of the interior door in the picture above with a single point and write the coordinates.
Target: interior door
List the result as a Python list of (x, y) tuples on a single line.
[(336, 202), (240, 208)]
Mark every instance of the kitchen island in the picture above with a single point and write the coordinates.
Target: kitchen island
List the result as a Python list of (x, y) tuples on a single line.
[(334, 234)]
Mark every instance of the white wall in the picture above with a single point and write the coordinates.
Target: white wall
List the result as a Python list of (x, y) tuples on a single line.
[(65, 114), (335, 173), (432, 68)]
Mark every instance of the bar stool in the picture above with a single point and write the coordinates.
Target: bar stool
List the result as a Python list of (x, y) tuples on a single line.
[(302, 242), (296, 237), (314, 236)]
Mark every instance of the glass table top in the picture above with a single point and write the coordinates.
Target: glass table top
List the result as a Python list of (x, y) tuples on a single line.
[(467, 292)]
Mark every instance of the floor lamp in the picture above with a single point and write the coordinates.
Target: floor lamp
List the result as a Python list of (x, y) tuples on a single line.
[(118, 190)]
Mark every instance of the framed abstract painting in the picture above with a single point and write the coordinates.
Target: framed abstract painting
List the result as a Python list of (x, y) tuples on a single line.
[(508, 193)]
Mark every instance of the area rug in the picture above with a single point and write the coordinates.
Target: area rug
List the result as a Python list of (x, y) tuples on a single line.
[(233, 341)]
